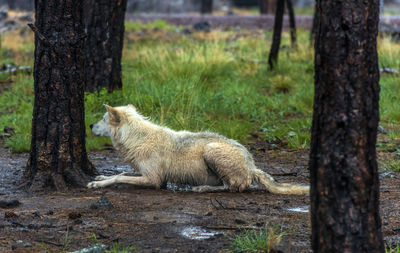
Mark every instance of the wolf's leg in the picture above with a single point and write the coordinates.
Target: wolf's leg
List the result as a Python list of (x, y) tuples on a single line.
[(139, 181), (102, 177), (228, 162), (210, 188)]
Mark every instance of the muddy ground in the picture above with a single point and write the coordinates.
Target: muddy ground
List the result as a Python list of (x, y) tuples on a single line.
[(168, 220)]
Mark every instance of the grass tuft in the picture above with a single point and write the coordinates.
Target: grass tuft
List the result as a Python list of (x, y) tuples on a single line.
[(264, 240), (392, 247)]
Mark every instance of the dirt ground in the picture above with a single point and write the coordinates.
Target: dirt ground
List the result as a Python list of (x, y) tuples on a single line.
[(167, 220)]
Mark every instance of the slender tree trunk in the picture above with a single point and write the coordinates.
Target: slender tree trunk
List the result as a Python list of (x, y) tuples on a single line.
[(267, 6), (58, 156), (344, 174), (264, 4), (206, 6), (276, 40), (292, 21), (104, 25)]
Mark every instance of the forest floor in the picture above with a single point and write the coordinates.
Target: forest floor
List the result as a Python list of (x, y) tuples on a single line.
[(166, 220)]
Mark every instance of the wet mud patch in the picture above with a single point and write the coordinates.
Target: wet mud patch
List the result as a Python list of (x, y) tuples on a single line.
[(166, 220)]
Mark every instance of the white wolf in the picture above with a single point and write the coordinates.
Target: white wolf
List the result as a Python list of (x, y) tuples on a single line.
[(207, 161)]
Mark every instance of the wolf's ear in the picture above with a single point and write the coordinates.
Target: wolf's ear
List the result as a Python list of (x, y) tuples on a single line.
[(113, 113)]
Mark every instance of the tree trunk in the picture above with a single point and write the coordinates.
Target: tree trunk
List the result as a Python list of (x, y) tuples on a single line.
[(267, 6), (315, 23), (292, 21), (58, 156), (206, 6), (104, 25), (276, 40), (344, 174), (263, 6)]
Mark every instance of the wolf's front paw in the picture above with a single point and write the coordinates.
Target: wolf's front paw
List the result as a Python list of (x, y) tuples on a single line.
[(198, 189), (101, 177), (94, 184)]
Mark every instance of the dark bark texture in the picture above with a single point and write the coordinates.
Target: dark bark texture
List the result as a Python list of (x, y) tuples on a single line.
[(276, 38), (206, 6), (104, 25), (314, 26), (344, 174), (292, 23), (58, 156)]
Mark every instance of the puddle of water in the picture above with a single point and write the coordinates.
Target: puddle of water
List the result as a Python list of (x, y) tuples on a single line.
[(300, 209), (197, 233)]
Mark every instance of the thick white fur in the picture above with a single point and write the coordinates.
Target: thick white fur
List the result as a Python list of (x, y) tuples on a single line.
[(206, 160)]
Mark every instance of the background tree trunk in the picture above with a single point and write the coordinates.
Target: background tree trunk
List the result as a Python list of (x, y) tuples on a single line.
[(292, 22), (104, 25), (206, 6), (267, 6), (263, 6), (276, 40), (344, 174), (58, 156)]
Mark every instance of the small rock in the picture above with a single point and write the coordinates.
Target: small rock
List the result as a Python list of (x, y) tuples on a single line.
[(78, 221), (9, 203), (239, 221), (273, 146), (96, 248), (208, 214), (202, 26), (260, 224), (103, 202), (74, 215), (50, 212), (389, 71), (10, 214), (36, 214), (382, 130), (186, 31)]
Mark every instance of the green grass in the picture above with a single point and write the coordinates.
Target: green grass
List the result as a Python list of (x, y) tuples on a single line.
[(117, 248), (392, 248), (264, 240), (216, 81)]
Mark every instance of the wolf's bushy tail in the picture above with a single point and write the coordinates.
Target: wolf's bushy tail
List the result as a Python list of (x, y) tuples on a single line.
[(272, 186)]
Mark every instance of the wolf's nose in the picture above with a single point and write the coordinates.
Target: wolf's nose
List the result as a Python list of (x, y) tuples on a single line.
[(91, 126)]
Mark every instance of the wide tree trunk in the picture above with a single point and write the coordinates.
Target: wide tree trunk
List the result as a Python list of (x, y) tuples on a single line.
[(344, 174), (206, 6), (104, 25), (276, 38), (58, 156), (314, 26)]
